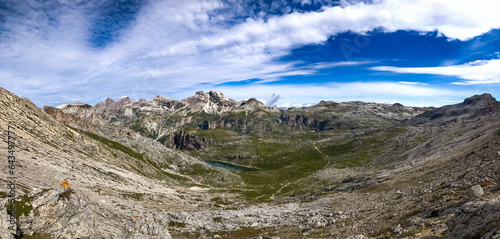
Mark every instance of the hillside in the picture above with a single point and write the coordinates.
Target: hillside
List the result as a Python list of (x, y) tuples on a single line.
[(209, 165)]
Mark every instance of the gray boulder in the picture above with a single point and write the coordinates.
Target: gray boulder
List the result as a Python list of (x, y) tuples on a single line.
[(475, 191)]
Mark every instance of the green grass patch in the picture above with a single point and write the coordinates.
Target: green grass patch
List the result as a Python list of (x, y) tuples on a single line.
[(177, 224), (143, 165), (244, 232), (379, 187), (112, 144), (487, 183), (135, 196), (35, 236), (22, 207), (411, 233)]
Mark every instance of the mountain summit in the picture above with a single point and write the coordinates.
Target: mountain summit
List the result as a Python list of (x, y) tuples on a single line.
[(472, 107)]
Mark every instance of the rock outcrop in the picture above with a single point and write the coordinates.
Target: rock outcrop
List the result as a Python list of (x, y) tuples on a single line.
[(60, 213), (299, 120), (220, 123), (475, 191), (476, 219), (78, 115), (311, 123), (182, 140)]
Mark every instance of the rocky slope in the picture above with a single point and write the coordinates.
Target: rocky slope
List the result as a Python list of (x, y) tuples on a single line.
[(334, 170), (471, 109), (121, 174)]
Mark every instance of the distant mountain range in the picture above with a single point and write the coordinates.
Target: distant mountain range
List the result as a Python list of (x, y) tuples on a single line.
[(212, 167)]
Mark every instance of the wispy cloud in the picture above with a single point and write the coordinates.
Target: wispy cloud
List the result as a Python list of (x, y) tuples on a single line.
[(412, 83), (54, 51), (271, 100), (477, 72)]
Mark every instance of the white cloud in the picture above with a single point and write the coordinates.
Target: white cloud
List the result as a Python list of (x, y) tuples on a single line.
[(174, 45), (324, 65), (477, 72), (271, 100), (412, 83)]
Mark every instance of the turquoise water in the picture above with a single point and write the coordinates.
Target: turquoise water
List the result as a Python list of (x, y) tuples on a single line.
[(230, 167)]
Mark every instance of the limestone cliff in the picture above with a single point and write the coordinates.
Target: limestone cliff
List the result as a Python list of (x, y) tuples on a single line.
[(182, 140)]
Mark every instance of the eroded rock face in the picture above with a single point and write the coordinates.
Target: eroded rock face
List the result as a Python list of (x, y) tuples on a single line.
[(220, 123), (477, 219), (217, 97), (61, 213), (299, 120), (85, 118), (182, 140), (311, 123)]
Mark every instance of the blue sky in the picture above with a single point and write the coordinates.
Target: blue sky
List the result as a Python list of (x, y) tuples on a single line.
[(285, 53)]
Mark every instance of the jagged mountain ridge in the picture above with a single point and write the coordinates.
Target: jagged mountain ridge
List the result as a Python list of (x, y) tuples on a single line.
[(160, 117), (163, 118), (213, 103)]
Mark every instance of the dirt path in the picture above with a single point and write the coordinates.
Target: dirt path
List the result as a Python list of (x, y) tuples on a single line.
[(288, 184), (326, 165)]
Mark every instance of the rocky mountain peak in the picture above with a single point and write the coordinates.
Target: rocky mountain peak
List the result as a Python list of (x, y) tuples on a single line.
[(485, 99), (397, 107), (110, 105), (217, 97), (324, 103), (162, 98), (125, 100), (102, 106), (481, 104), (252, 102), (472, 107)]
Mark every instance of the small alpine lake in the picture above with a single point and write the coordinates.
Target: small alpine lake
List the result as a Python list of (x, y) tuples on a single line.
[(230, 167)]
